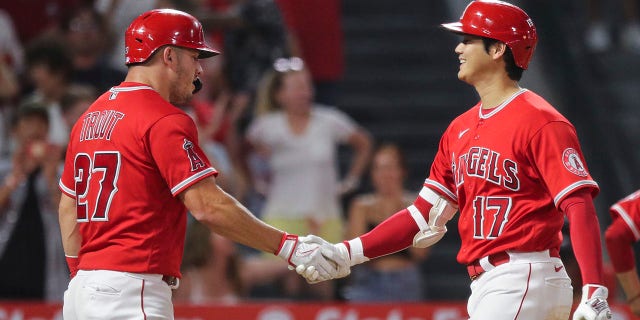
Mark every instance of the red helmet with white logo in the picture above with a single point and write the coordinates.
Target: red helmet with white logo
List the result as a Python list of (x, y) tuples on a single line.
[(500, 21), (156, 28)]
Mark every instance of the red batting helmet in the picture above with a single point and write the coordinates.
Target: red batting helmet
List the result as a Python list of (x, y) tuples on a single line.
[(500, 21), (156, 28)]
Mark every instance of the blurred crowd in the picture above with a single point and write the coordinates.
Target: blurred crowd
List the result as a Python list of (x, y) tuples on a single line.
[(268, 119)]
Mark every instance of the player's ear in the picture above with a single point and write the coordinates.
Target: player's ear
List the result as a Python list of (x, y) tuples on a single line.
[(498, 49), (168, 54)]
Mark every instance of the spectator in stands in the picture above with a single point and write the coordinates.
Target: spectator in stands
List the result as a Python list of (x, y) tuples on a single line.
[(300, 140), (118, 14), (395, 277), (11, 63), (316, 31), (214, 271), (598, 36), (620, 238), (49, 68), (254, 35), (88, 38), (37, 19), (31, 254), (75, 102)]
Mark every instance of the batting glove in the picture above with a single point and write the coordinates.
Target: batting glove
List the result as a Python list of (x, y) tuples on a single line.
[(345, 255), (593, 305), (306, 252)]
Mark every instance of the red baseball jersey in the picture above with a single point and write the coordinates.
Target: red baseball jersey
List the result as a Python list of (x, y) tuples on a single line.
[(508, 168), (628, 209), (129, 155)]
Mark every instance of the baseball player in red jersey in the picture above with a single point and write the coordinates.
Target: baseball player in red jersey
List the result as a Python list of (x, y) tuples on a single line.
[(133, 167), (513, 167), (620, 237)]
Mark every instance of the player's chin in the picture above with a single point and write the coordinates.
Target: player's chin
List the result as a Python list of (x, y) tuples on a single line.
[(181, 99)]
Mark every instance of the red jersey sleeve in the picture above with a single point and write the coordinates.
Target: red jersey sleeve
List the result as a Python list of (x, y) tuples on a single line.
[(173, 144), (557, 155), (67, 180)]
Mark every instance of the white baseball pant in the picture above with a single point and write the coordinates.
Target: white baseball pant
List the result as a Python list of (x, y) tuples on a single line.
[(105, 294), (530, 285)]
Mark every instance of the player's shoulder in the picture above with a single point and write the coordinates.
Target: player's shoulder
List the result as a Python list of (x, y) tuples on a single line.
[(534, 107), (633, 197)]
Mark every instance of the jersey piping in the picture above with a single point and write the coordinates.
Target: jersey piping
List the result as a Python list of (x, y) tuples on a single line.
[(627, 218), (442, 188), (126, 89), (175, 190), (501, 106), (572, 187)]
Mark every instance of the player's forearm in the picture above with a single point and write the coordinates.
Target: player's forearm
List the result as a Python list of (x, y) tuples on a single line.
[(630, 283), (226, 216), (585, 236), (394, 234), (71, 238)]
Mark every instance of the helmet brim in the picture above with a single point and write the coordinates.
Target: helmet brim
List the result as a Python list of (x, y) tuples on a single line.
[(455, 27), (206, 52)]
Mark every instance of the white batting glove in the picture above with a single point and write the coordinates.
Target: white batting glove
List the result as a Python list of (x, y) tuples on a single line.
[(593, 305), (345, 254), (307, 252)]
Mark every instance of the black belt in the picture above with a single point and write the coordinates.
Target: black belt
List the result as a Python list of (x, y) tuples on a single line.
[(173, 282)]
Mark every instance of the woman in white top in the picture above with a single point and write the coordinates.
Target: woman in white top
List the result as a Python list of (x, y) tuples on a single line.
[(300, 139)]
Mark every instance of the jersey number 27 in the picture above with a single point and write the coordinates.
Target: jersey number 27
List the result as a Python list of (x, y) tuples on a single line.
[(104, 165)]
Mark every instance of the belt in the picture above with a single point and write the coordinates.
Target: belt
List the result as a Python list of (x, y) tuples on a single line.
[(475, 268), (173, 282)]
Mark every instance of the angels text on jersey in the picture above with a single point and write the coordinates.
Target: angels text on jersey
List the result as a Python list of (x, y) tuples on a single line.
[(486, 164)]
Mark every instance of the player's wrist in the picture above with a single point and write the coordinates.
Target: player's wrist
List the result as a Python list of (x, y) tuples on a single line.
[(592, 290), (287, 246), (72, 263), (352, 250)]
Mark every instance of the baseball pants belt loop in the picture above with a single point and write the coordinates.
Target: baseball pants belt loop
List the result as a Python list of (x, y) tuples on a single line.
[(173, 282), (484, 264)]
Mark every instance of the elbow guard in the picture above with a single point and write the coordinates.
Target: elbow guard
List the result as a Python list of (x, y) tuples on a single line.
[(440, 211)]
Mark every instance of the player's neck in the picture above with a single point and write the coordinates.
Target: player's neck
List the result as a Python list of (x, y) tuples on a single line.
[(494, 94), (146, 75)]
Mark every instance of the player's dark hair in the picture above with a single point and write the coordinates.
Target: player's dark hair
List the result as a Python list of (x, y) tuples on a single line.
[(513, 71)]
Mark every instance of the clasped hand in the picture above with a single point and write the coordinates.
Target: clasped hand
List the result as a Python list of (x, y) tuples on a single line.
[(317, 260)]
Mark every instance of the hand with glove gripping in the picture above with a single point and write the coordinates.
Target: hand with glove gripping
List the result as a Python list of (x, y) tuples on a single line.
[(593, 305), (342, 254), (313, 258)]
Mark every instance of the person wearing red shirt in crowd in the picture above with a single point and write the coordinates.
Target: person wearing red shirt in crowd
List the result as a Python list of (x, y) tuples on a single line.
[(315, 27)]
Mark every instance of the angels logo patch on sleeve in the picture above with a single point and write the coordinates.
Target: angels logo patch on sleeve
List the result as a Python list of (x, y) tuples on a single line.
[(572, 162), (194, 158)]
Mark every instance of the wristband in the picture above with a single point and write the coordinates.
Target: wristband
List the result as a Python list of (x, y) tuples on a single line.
[(72, 263)]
